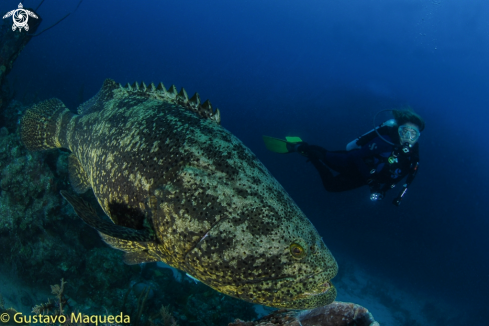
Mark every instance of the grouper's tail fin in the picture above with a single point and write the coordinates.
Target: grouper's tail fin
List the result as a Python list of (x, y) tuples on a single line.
[(42, 126)]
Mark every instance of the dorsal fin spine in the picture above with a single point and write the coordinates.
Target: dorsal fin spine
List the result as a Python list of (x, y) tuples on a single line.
[(195, 100), (207, 106), (161, 88), (216, 116), (172, 91), (183, 95)]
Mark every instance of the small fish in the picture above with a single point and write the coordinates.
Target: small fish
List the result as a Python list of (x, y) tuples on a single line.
[(192, 278)]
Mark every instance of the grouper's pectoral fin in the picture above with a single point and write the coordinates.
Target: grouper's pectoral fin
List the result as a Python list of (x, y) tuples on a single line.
[(135, 252), (78, 177), (88, 214)]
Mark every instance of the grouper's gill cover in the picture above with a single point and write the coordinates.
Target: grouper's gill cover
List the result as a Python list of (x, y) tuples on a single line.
[(181, 189)]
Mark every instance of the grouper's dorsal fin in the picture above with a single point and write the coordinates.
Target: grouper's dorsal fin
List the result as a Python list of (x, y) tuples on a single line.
[(111, 90), (96, 103), (88, 214), (171, 94)]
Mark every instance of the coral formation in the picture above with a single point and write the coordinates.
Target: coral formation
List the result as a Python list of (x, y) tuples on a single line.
[(334, 314), (140, 310)]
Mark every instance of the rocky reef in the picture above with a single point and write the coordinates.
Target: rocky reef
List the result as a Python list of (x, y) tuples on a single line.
[(334, 314)]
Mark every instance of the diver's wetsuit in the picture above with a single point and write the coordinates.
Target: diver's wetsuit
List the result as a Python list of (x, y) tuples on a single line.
[(367, 165)]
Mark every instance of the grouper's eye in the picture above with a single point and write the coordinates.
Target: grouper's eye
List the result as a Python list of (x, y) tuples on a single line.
[(297, 251)]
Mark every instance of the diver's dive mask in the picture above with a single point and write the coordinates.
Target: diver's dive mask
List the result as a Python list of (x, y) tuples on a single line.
[(408, 134)]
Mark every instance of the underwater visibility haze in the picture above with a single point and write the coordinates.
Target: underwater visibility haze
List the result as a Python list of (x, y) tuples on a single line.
[(313, 69)]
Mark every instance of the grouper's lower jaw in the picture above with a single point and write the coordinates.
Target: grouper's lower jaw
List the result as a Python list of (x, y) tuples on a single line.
[(311, 300)]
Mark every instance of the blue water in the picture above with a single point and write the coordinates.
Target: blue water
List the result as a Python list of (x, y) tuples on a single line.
[(319, 70)]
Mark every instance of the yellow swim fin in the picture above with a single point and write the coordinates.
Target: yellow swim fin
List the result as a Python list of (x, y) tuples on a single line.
[(279, 145)]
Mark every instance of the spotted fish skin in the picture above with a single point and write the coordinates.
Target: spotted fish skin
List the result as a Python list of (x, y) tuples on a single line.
[(158, 160)]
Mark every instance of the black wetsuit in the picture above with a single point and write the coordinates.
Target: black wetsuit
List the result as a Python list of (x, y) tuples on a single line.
[(368, 165)]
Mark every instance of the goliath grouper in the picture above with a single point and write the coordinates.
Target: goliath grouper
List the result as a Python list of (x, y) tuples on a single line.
[(181, 189)]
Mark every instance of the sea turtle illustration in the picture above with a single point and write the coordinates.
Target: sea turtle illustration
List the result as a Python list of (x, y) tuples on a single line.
[(20, 17)]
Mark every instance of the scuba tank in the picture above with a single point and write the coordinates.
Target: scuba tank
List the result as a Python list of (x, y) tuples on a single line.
[(353, 144)]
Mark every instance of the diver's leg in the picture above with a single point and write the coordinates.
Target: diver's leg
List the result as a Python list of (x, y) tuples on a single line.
[(340, 161), (309, 151), (324, 172), (340, 182)]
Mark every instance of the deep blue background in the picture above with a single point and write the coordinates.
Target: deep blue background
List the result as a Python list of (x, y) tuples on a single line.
[(319, 70)]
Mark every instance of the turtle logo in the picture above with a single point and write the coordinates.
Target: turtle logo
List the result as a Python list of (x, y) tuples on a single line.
[(20, 17)]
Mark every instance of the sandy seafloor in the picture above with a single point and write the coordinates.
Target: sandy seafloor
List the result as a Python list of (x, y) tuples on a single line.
[(388, 304)]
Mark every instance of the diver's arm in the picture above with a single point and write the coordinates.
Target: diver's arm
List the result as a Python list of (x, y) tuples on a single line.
[(410, 178)]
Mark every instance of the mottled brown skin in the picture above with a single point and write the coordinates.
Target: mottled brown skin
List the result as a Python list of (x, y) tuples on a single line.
[(156, 159)]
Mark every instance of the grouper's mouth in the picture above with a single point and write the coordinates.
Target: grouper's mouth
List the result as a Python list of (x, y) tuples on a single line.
[(319, 293), (323, 285), (319, 290)]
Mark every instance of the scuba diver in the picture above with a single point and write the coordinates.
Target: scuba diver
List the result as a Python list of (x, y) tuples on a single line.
[(380, 158)]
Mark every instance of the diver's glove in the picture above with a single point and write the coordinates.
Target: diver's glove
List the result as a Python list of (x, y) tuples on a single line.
[(375, 196)]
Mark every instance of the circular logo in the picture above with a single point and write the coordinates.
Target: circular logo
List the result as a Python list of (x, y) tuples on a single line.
[(20, 18), (4, 318)]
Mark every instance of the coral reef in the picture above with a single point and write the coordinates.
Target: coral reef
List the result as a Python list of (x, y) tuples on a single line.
[(138, 308), (334, 314)]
